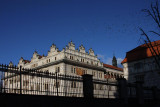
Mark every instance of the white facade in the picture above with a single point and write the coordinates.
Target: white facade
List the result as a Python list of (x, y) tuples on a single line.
[(66, 61)]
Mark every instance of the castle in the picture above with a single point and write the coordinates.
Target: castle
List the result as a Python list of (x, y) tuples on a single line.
[(71, 61)]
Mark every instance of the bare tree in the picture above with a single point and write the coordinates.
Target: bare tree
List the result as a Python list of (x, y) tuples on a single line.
[(154, 13)]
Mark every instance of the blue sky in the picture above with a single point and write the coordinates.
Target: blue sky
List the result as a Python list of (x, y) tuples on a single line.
[(106, 26)]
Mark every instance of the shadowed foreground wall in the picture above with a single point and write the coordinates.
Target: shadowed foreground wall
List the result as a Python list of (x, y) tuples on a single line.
[(14, 100)]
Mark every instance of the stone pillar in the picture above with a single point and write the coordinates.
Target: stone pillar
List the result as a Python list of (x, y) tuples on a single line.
[(139, 93), (122, 90), (87, 86)]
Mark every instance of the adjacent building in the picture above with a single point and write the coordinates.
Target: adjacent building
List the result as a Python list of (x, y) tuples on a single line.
[(141, 64)]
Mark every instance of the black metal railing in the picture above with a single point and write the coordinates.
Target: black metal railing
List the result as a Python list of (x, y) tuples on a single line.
[(105, 89), (35, 82), (18, 80)]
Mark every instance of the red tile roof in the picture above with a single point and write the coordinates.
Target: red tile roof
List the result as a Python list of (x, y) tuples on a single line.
[(142, 52), (39, 56), (26, 61), (112, 67)]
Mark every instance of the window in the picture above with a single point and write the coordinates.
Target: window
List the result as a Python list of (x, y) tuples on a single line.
[(32, 87), (38, 87), (94, 86), (56, 84), (55, 58), (48, 60), (93, 73), (57, 69), (6, 82), (100, 75), (85, 71), (71, 69), (11, 81), (46, 87), (24, 83), (109, 88), (100, 86), (27, 82), (139, 78), (74, 70), (15, 80), (83, 60), (92, 62), (73, 84), (71, 57), (138, 66)]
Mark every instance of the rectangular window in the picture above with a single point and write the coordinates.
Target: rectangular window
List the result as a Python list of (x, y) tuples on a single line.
[(92, 62), (93, 73), (6, 82), (46, 86), (32, 87), (57, 69), (71, 69), (94, 86), (57, 84), (100, 75), (38, 87), (74, 70), (73, 84), (138, 66)]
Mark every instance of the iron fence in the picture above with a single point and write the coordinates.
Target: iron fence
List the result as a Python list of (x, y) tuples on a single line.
[(37, 82), (105, 89)]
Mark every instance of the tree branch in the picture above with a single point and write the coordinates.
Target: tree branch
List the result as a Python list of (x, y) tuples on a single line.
[(155, 33)]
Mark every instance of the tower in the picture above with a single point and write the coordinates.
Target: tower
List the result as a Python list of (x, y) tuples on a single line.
[(114, 61)]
